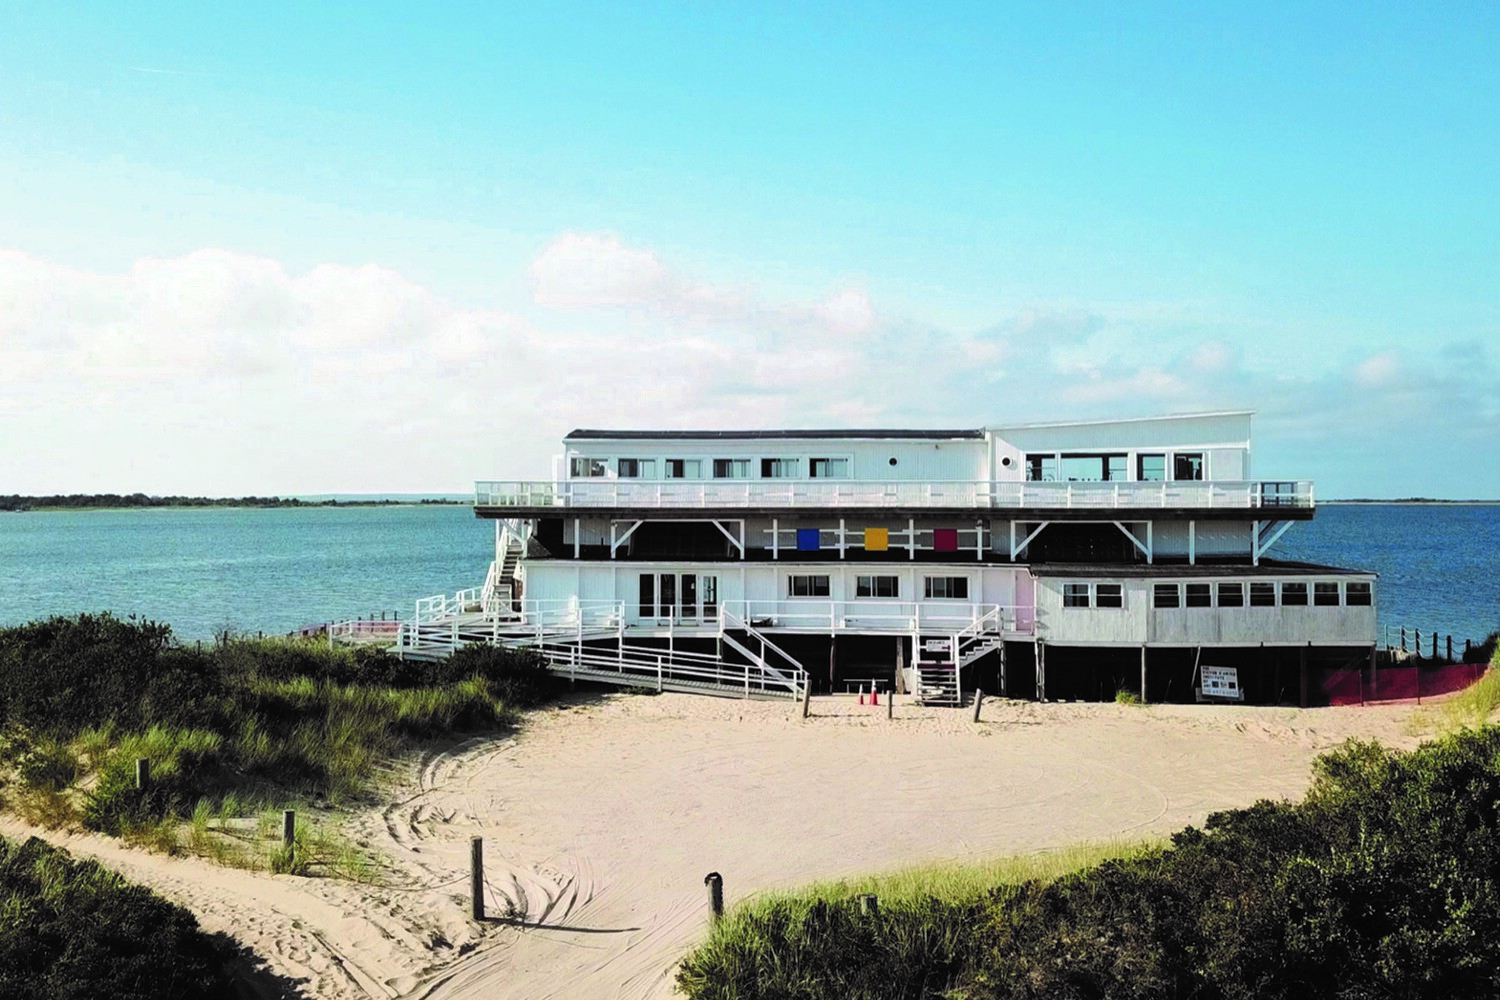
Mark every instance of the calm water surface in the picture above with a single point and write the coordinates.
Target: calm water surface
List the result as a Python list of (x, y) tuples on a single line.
[(204, 570)]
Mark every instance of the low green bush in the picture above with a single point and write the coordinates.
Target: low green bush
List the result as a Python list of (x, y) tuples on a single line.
[(71, 929)]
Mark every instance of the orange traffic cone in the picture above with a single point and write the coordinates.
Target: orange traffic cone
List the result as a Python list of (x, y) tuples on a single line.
[(861, 695), (874, 696)]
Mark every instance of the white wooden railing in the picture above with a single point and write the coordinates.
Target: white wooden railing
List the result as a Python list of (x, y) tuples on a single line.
[(984, 495), (834, 616)]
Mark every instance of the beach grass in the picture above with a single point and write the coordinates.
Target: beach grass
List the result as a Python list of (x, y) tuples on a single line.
[(246, 724)]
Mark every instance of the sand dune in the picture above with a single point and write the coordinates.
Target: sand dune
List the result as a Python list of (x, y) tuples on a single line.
[(601, 817)]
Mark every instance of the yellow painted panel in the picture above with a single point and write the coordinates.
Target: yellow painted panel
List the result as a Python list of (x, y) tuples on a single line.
[(877, 539)]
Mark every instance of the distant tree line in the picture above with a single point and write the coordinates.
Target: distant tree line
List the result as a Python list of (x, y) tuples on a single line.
[(15, 502)]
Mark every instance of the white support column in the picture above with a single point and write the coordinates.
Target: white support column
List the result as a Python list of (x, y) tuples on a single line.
[(775, 538), (1150, 545), (841, 538), (911, 538), (1012, 539), (979, 541), (1192, 545), (577, 538)]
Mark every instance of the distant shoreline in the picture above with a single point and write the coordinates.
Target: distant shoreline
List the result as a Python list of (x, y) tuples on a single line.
[(1409, 502), (134, 501)]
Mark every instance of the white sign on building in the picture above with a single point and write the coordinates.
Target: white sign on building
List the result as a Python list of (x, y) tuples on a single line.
[(1222, 682)]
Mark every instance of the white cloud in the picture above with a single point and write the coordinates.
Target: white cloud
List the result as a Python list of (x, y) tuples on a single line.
[(220, 372)]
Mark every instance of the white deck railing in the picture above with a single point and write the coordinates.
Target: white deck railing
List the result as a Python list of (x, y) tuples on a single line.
[(832, 616), (982, 495)]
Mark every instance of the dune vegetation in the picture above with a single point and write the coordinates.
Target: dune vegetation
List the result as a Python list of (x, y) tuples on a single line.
[(1384, 881), (74, 929), (232, 731)]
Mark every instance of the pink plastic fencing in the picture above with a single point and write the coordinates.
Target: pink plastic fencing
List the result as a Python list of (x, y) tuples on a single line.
[(1352, 687)]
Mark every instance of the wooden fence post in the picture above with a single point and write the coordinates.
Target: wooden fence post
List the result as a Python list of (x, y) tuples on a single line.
[(869, 904), (476, 877), (288, 827), (978, 702), (142, 773), (715, 883)]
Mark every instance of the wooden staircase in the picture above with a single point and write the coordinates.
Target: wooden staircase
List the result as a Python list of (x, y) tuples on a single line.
[(938, 684)]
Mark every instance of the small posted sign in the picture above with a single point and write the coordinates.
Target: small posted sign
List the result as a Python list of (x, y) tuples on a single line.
[(936, 646), (1223, 683)]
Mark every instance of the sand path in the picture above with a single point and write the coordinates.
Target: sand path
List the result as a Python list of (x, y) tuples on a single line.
[(602, 816)]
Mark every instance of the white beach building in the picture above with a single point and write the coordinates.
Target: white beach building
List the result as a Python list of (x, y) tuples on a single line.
[(1060, 560)]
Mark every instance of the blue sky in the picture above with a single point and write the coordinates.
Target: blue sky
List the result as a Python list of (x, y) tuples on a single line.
[(398, 248)]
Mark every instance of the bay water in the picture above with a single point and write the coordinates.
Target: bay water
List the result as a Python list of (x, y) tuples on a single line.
[(205, 570)]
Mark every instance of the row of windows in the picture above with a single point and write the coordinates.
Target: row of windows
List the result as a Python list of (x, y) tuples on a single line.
[(1109, 468), (1262, 594), (1255, 594), (721, 468), (955, 588)]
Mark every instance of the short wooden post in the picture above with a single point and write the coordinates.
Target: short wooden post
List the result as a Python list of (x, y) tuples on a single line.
[(1434, 645), (869, 904), (288, 827), (807, 697), (1403, 638), (978, 702), (890, 705), (1466, 650), (1450, 648), (476, 877), (715, 883), (142, 773)]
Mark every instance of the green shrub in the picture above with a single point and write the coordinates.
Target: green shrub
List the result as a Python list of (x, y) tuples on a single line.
[(71, 929)]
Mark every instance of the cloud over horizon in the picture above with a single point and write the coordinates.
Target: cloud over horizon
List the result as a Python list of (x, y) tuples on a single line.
[(221, 372)]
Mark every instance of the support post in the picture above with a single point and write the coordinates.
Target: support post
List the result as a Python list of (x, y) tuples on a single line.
[(807, 697), (978, 702), (288, 827), (1143, 673), (476, 877), (1041, 670), (1004, 683), (890, 706), (142, 773), (869, 904), (1302, 701), (1374, 691), (715, 883)]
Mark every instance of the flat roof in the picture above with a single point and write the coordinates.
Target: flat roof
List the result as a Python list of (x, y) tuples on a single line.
[(1178, 570), (589, 434)]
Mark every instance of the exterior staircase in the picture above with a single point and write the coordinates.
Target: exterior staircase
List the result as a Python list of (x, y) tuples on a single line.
[(937, 684)]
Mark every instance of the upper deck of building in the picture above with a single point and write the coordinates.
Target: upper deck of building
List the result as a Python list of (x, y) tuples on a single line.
[(1195, 465)]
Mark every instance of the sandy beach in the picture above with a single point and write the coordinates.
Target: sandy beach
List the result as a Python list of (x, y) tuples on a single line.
[(602, 815)]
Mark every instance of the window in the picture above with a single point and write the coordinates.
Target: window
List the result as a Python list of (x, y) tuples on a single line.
[(584, 468), (709, 588), (648, 595), (828, 468), (636, 468), (1357, 594), (778, 468), (684, 468), (1231, 595), (1262, 594), (955, 588), (1199, 595), (807, 586), (1166, 595), (1293, 594), (731, 468), (1151, 468), (1109, 595), (1093, 468), (1187, 467), (876, 586), (1326, 595), (1075, 595), (1041, 468)]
